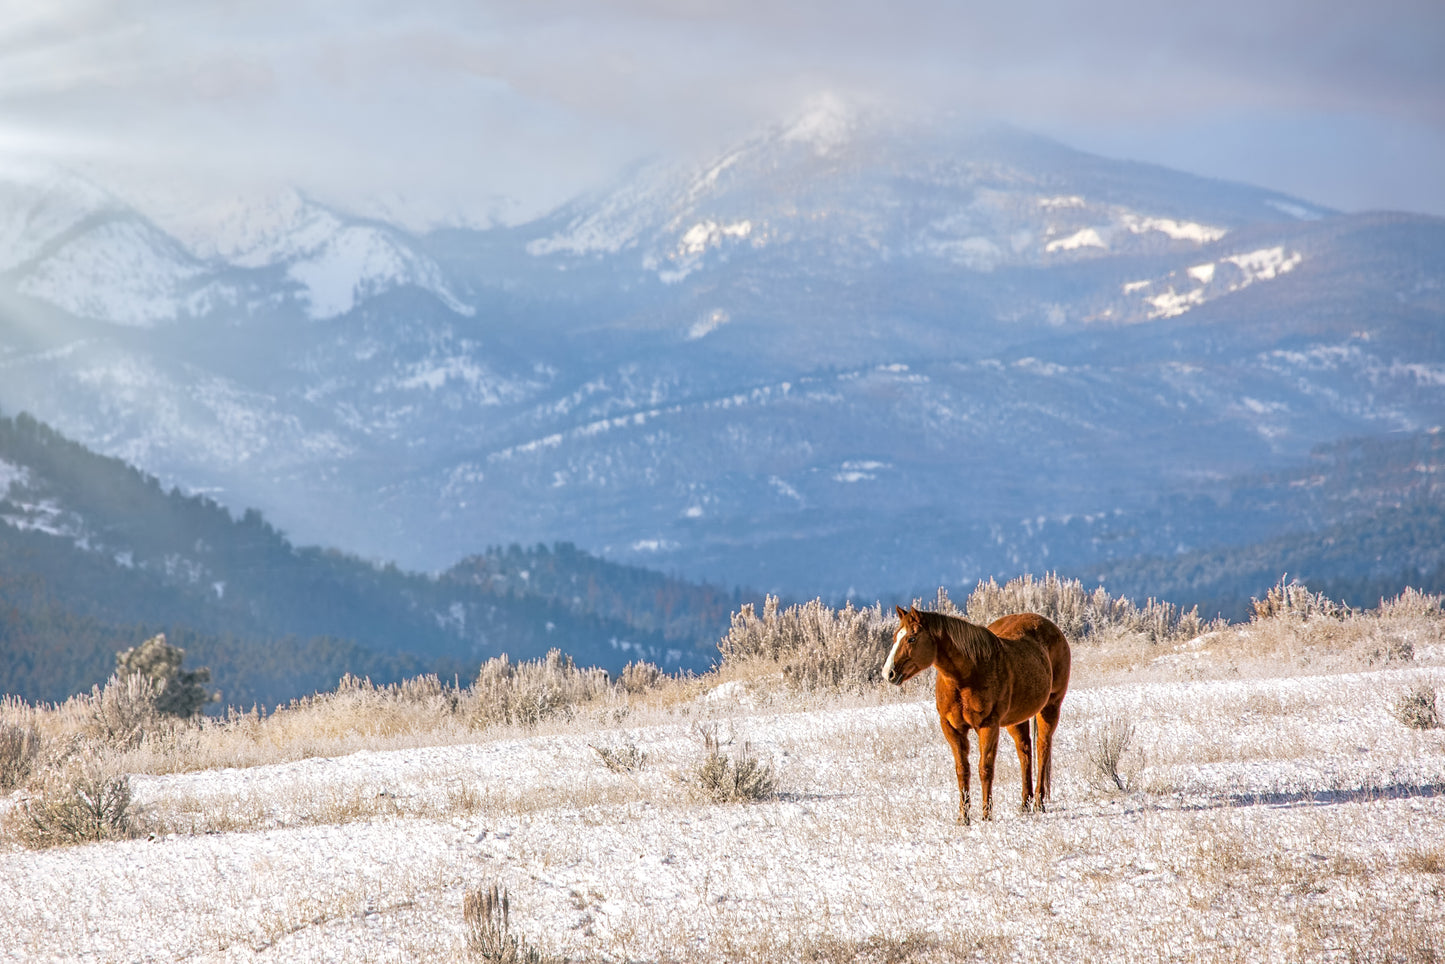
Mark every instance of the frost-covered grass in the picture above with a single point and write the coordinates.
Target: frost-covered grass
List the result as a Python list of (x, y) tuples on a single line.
[(1274, 807)]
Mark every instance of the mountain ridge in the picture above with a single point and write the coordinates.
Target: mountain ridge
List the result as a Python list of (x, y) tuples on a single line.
[(907, 317)]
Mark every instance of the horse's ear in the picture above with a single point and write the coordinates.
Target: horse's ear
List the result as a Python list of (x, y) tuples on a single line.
[(913, 611), (901, 612)]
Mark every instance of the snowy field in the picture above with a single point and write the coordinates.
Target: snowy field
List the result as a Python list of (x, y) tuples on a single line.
[(1262, 819)]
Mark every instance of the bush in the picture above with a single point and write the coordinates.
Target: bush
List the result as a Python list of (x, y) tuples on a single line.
[(487, 914), (177, 693), (723, 779), (85, 801), (19, 747), (639, 677), (526, 693), (1080, 612), (121, 712), (1293, 600), (817, 647), (1110, 743), (1416, 709), (625, 759)]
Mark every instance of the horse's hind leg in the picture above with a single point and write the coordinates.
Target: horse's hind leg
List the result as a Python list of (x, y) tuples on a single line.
[(1023, 743), (1047, 721)]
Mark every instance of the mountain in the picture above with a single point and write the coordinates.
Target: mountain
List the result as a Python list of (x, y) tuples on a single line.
[(95, 557), (852, 354)]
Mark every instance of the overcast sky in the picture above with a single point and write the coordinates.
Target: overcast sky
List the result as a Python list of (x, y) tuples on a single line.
[(474, 109)]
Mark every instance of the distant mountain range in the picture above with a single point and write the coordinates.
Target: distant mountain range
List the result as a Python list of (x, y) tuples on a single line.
[(854, 354)]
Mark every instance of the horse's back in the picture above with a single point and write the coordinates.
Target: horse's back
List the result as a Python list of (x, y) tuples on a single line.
[(1041, 632)]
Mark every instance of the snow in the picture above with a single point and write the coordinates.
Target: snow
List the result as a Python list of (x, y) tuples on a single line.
[(1265, 264), (1258, 824), (714, 320), (1171, 304), (355, 263), (122, 272), (710, 234), (1177, 230), (1202, 273), (1084, 238)]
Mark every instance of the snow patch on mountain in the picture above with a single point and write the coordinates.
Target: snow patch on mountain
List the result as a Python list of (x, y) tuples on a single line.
[(357, 262), (1084, 238), (708, 323), (123, 271), (1177, 230)]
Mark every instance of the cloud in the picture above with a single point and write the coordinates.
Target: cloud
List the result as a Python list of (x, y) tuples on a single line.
[(509, 107)]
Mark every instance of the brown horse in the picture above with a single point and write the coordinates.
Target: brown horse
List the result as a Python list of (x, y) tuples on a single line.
[(1015, 670)]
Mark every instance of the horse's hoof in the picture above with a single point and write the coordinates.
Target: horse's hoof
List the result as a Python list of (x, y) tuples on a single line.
[(963, 820)]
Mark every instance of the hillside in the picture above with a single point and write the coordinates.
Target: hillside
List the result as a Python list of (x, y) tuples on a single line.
[(1265, 799), (95, 556)]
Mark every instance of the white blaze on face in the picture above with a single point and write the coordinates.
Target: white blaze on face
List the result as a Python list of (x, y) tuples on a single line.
[(897, 640)]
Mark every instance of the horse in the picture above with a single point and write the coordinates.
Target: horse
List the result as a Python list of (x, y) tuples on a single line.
[(1014, 671)]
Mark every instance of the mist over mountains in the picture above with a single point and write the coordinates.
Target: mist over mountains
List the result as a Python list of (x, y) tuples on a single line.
[(851, 355)]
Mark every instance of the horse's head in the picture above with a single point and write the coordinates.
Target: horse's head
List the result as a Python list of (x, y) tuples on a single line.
[(913, 648)]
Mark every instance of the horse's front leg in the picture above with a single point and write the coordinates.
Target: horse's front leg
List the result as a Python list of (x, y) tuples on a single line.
[(987, 751), (958, 743)]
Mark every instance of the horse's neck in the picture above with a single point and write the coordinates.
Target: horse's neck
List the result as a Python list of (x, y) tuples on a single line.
[(952, 661)]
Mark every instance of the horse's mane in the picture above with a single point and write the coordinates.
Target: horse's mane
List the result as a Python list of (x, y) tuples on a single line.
[(977, 644)]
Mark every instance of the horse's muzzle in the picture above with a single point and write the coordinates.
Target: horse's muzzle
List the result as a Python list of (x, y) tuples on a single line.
[(895, 676)]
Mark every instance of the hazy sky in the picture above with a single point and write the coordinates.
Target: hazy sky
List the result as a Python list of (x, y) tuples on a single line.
[(443, 109)]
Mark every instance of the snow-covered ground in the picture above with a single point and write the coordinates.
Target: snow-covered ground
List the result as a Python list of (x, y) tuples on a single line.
[(1266, 819)]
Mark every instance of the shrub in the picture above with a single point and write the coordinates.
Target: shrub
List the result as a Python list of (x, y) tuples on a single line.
[(1080, 612), (1412, 603), (1294, 600), (1110, 742), (86, 800), (724, 779), (816, 646), (526, 693), (19, 747), (487, 914), (121, 712), (177, 692), (639, 677), (1416, 709), (625, 759)]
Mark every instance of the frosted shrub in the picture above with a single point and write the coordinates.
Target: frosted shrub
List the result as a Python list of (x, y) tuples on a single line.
[(624, 759), (120, 713), (816, 647), (1109, 744), (488, 918), (1294, 600), (86, 800), (1416, 708), (1412, 603), (526, 693), (732, 779), (19, 747), (1081, 613), (639, 677)]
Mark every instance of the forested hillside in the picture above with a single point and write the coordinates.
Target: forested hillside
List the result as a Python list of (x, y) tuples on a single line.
[(95, 556)]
